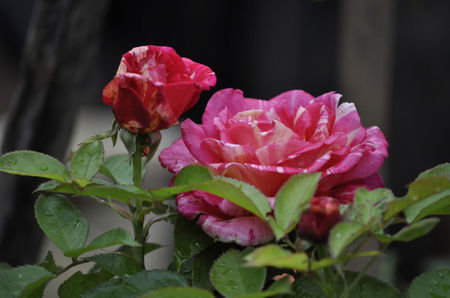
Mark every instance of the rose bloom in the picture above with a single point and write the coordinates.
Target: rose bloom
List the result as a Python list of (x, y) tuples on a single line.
[(154, 86), (264, 143)]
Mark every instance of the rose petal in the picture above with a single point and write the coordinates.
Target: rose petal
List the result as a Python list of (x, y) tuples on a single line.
[(200, 74), (245, 231), (176, 157)]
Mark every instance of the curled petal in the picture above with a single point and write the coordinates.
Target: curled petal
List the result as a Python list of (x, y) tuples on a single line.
[(245, 231)]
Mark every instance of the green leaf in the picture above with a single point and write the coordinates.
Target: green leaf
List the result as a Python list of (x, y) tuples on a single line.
[(438, 204), (342, 235), (421, 189), (293, 199), (109, 238), (61, 221), (36, 289), (86, 162), (432, 284), (237, 192), (129, 140), (281, 286), (31, 163), (171, 292), (192, 174), (439, 170), (117, 264), (369, 206), (231, 278), (273, 255), (189, 240), (123, 193), (14, 281), (370, 287), (120, 169), (4, 267), (415, 230), (49, 263), (202, 263), (137, 284), (79, 283), (59, 187), (306, 287)]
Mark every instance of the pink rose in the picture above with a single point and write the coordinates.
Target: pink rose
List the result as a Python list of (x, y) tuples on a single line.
[(316, 223), (154, 86), (264, 143)]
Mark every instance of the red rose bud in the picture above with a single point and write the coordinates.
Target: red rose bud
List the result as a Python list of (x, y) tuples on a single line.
[(316, 223), (154, 86)]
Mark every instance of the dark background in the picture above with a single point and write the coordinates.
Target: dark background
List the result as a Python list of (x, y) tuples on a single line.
[(392, 58)]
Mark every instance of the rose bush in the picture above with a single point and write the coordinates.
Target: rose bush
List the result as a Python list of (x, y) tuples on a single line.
[(154, 86), (264, 143)]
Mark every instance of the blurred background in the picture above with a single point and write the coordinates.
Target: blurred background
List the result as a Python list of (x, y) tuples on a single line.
[(392, 58)]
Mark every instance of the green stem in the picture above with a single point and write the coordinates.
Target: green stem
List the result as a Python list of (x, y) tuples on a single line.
[(138, 218)]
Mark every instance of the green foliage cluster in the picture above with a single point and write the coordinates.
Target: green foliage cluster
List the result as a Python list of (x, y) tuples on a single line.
[(203, 267)]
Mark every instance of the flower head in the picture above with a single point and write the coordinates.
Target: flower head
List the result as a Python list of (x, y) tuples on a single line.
[(154, 86), (264, 143)]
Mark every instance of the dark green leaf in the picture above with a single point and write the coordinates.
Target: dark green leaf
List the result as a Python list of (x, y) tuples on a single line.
[(117, 264), (129, 140), (14, 281), (420, 190), (61, 221), (36, 289), (281, 286), (4, 267), (136, 285), (122, 193), (434, 284), (293, 199), (30, 163), (56, 186), (86, 162), (49, 263), (189, 240), (438, 204), (79, 283), (367, 287), (231, 278), (120, 169), (109, 238), (149, 247), (202, 264), (342, 235), (172, 292), (275, 256), (415, 230), (306, 287)]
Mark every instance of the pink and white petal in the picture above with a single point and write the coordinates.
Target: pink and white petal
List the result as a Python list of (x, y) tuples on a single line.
[(201, 75), (244, 231), (270, 155), (231, 99), (347, 118), (190, 206), (176, 157), (330, 99), (193, 135), (290, 101), (227, 208), (228, 152), (268, 179)]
